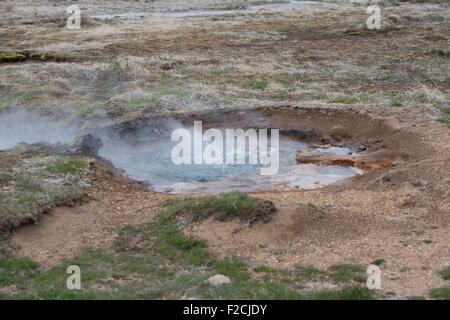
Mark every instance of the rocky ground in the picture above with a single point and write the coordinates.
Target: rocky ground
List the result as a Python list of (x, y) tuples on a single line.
[(318, 242)]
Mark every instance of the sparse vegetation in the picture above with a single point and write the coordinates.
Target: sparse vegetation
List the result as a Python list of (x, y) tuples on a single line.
[(347, 293), (347, 272), (224, 207), (66, 166), (13, 57), (34, 185), (154, 261), (445, 273), (379, 262), (445, 116), (440, 293)]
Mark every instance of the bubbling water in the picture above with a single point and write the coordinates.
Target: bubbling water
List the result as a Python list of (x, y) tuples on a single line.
[(151, 163)]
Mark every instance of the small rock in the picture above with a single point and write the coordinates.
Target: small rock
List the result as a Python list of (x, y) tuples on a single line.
[(87, 144), (418, 182), (219, 280)]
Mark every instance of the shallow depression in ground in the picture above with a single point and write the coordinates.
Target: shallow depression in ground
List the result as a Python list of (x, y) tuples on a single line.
[(151, 163)]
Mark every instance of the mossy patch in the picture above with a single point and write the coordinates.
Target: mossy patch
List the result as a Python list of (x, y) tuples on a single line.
[(12, 57), (224, 207)]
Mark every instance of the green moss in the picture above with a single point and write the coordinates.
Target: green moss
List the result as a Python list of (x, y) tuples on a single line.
[(13, 57)]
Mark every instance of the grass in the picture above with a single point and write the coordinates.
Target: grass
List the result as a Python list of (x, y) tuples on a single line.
[(38, 182), (256, 85), (378, 262), (262, 70), (445, 116), (445, 273), (347, 272), (16, 270), (440, 293), (66, 166), (264, 269), (344, 99), (308, 272), (5, 177), (223, 207), (156, 261), (397, 102)]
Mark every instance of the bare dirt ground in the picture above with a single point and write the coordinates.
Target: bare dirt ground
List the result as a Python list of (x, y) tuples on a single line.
[(66, 231), (313, 58)]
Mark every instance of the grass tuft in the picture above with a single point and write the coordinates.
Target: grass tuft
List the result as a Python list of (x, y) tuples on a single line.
[(223, 207), (347, 273), (441, 293), (445, 273), (66, 166)]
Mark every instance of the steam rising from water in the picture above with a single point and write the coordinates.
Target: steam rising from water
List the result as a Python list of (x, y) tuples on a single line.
[(21, 126), (145, 156)]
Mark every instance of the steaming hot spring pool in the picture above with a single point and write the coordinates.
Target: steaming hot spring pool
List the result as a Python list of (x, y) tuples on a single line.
[(143, 151), (150, 162)]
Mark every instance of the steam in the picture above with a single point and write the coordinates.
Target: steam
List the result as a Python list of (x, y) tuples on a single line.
[(22, 126), (144, 153)]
